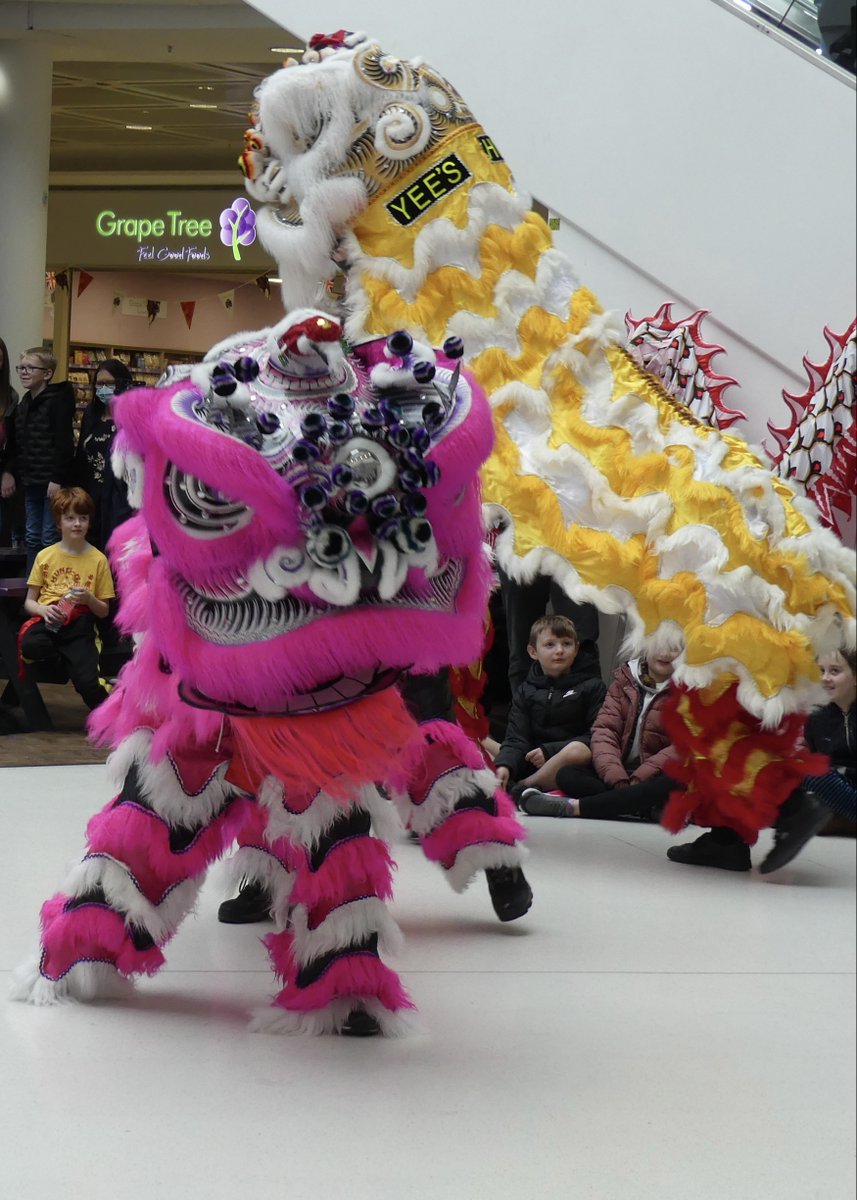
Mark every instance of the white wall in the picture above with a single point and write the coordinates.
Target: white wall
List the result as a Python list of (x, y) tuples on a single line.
[(692, 158)]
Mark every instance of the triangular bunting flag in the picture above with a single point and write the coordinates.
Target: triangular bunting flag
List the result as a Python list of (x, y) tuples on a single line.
[(187, 307), (84, 279), (227, 299)]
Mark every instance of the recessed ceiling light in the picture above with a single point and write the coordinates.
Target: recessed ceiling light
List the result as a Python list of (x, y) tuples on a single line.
[(287, 49), (144, 128), (274, 279), (202, 106), (204, 87)]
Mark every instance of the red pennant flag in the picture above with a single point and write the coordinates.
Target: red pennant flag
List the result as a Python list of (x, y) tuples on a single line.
[(84, 279), (187, 307)]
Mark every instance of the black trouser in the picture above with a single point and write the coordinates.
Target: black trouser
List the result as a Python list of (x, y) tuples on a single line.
[(75, 644), (524, 603), (602, 803)]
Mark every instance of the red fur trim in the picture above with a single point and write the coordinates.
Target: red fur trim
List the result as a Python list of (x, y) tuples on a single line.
[(91, 933), (361, 863), (470, 827), (735, 772), (334, 751), (468, 686), (139, 839)]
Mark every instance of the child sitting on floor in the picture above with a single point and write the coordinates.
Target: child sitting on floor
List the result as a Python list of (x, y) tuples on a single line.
[(552, 711), (630, 749), (69, 587)]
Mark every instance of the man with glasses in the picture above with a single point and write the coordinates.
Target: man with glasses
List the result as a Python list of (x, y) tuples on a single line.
[(40, 450)]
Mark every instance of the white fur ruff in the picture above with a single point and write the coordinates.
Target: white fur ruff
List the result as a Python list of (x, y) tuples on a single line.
[(443, 796), (345, 925), (84, 982), (162, 786), (331, 1019), (123, 894), (473, 859)]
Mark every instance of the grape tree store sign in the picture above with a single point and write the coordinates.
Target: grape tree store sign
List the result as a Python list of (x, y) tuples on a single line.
[(170, 230)]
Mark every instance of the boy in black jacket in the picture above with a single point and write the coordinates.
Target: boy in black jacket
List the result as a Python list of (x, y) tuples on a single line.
[(550, 722)]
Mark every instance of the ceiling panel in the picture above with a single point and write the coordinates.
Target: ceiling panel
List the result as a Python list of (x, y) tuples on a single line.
[(93, 102)]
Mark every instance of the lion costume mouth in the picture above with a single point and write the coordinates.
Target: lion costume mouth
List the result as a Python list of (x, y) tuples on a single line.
[(251, 618), (330, 694)]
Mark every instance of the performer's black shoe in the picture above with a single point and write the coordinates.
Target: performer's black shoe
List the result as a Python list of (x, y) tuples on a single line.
[(252, 904), (711, 851), (359, 1023), (801, 818), (510, 893)]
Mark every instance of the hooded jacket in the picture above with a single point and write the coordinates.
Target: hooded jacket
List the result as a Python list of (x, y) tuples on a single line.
[(613, 733), (833, 732), (40, 449), (549, 713)]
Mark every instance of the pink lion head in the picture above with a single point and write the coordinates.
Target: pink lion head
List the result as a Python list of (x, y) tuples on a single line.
[(314, 515)]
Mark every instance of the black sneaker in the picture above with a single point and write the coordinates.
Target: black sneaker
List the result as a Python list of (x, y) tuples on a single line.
[(359, 1023), (707, 851), (252, 904), (510, 893), (540, 804), (794, 828)]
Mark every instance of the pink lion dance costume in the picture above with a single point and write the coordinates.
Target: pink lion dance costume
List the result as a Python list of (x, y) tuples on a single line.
[(310, 529)]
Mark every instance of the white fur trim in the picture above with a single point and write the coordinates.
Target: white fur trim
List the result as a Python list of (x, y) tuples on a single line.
[(329, 1020), (343, 926), (473, 859), (263, 866), (124, 896), (308, 827), (443, 796), (84, 982), (161, 783)]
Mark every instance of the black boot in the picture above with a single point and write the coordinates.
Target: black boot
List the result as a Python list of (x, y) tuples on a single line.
[(359, 1023), (720, 848), (252, 904), (801, 818), (510, 893)]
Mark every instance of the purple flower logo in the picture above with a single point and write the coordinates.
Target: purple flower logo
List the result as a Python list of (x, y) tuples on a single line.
[(238, 226)]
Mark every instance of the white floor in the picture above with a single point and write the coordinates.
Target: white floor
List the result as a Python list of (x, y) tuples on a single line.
[(649, 1030)]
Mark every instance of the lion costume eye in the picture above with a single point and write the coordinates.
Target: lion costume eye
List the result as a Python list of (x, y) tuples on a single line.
[(201, 511)]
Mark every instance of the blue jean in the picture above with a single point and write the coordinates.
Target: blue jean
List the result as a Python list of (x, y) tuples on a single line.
[(40, 529)]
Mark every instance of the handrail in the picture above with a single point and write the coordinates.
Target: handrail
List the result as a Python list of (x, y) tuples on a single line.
[(773, 18)]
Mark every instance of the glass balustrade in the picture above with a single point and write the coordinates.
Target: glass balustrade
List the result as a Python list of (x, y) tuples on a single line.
[(829, 27)]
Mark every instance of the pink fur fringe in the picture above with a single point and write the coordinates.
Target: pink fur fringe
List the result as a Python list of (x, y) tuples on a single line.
[(358, 975), (470, 827), (441, 746), (91, 933), (363, 863), (140, 839)]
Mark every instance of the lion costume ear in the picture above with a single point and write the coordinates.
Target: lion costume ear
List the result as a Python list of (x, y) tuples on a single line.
[(385, 71)]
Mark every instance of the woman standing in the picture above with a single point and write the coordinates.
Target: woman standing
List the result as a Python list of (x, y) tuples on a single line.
[(93, 471), (9, 503), (40, 447)]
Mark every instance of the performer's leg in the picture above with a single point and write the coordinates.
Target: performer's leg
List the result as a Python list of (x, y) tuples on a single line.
[(147, 853), (262, 879), (464, 822), (329, 955)]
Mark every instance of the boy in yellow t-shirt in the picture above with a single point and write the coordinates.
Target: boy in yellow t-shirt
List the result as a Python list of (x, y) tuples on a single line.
[(69, 587)]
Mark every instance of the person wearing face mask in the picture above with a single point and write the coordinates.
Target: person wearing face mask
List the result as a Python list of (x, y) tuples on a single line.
[(93, 471)]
